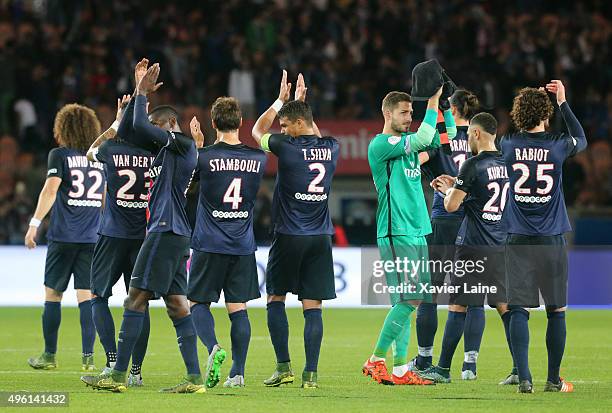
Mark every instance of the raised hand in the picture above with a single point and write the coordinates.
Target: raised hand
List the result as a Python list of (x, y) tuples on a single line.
[(285, 88), (194, 125), (557, 88), (140, 70), (300, 88), (121, 105), (148, 82)]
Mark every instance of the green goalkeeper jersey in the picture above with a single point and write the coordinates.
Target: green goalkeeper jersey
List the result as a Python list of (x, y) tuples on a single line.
[(394, 161)]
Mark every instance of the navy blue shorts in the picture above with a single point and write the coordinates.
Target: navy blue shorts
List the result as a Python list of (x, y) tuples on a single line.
[(65, 259), (235, 275), (161, 265), (112, 258), (302, 265), (536, 265)]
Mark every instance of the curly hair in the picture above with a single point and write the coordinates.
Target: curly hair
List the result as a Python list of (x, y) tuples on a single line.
[(76, 126), (530, 107)]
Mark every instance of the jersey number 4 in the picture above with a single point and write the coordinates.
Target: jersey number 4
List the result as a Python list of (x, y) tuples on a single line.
[(232, 195)]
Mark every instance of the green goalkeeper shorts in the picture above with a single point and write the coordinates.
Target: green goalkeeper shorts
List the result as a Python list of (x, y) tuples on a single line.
[(409, 274)]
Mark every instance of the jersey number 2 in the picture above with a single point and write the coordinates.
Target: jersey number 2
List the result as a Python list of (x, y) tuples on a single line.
[(313, 186)]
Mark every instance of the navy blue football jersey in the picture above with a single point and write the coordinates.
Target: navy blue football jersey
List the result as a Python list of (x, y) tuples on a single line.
[(171, 173), (306, 166), (536, 205), (229, 176), (442, 163), (75, 215), (485, 181), (126, 167)]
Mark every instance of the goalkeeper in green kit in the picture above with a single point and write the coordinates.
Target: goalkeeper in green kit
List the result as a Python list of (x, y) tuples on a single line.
[(402, 223)]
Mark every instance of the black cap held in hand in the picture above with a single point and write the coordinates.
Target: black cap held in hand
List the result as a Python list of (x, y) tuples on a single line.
[(426, 79)]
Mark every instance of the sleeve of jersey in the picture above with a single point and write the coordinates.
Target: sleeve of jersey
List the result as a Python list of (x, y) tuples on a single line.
[(424, 136), (577, 141), (55, 164), (144, 130), (465, 178), (270, 142), (451, 126)]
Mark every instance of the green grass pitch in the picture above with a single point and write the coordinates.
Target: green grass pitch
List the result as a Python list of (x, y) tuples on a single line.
[(348, 340)]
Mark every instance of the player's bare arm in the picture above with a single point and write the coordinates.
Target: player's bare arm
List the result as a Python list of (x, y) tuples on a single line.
[(45, 202), (264, 123), (111, 132), (300, 94)]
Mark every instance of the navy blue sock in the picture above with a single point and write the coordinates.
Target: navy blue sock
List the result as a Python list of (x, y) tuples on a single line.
[(188, 343), (555, 343), (313, 335), (88, 330), (105, 326), (426, 327), (452, 334), (472, 336), (519, 337), (204, 324), (51, 319), (128, 335), (279, 330), (240, 333), (140, 349), (506, 319)]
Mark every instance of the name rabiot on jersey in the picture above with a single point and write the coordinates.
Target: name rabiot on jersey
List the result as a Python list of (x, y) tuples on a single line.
[(536, 204), (229, 177), (75, 216)]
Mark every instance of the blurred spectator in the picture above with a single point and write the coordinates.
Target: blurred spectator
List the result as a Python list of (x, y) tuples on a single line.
[(351, 52)]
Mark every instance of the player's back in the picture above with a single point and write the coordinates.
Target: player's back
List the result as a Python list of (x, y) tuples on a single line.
[(446, 161), (534, 161), (306, 165), (127, 184), (171, 174), (229, 176), (485, 179), (75, 216)]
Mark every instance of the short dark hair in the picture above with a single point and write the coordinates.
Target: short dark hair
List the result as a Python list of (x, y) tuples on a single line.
[(226, 114), (466, 102), (530, 107), (486, 122), (164, 112), (296, 109), (393, 98)]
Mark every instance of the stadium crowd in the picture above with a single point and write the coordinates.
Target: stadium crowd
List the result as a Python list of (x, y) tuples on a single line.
[(351, 52)]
